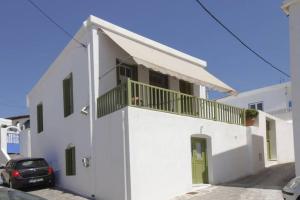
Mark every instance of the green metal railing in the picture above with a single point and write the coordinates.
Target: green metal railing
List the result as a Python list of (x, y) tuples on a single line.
[(133, 93)]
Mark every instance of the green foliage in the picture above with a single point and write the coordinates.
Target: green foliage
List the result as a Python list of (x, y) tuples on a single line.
[(251, 113)]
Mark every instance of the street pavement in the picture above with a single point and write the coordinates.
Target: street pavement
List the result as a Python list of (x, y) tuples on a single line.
[(265, 185), (55, 194)]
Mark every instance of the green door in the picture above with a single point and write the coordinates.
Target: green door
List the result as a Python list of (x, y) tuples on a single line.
[(199, 161)]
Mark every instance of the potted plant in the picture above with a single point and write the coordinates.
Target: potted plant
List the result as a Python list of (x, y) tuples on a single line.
[(251, 115)]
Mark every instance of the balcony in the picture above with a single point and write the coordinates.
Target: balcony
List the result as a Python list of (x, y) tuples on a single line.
[(137, 94)]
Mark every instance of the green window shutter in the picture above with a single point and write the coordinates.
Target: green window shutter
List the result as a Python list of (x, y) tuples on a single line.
[(67, 162), (70, 158), (68, 95), (40, 125)]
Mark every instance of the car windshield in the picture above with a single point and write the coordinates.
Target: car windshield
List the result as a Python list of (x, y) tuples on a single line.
[(7, 194), (26, 164)]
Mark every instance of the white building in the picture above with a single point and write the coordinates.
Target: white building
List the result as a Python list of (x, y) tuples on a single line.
[(275, 100), (123, 120), (9, 140), (292, 8)]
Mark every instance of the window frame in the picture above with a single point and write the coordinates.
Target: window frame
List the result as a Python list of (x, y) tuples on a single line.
[(256, 105), (68, 97), (186, 87), (133, 68), (164, 77)]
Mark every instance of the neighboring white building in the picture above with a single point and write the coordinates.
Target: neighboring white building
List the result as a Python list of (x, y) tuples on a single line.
[(275, 100), (292, 8), (9, 140), (20, 121), (123, 120)]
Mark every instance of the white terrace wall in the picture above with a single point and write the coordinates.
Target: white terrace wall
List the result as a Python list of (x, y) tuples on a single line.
[(258, 148), (25, 143), (160, 152), (112, 180)]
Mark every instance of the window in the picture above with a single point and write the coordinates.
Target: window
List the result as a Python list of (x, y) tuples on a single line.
[(260, 106), (68, 95), (256, 106), (252, 106), (70, 161), (158, 79), (26, 124), (186, 87), (199, 151), (28, 164), (40, 123), (125, 71), (290, 104)]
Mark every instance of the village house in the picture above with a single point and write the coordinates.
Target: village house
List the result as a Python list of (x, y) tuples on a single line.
[(123, 117), (274, 99)]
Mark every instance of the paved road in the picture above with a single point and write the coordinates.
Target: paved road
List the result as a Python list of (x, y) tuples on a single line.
[(262, 186), (55, 194)]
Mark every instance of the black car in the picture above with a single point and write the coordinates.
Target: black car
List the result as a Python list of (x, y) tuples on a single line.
[(26, 172), (11, 194)]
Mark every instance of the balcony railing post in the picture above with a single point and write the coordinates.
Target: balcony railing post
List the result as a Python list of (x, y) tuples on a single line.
[(244, 117), (178, 102), (215, 111), (129, 96)]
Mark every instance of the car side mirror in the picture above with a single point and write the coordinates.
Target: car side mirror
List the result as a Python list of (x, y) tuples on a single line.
[(2, 166)]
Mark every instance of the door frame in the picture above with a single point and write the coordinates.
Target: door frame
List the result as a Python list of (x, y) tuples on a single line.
[(207, 143)]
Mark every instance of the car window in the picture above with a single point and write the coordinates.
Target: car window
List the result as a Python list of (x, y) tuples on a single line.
[(26, 164)]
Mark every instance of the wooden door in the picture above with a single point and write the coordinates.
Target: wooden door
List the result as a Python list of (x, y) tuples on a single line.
[(199, 161)]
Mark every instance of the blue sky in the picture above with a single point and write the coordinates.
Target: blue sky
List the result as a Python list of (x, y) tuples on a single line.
[(29, 43)]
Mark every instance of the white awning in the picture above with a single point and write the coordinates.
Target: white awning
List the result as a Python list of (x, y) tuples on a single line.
[(167, 63)]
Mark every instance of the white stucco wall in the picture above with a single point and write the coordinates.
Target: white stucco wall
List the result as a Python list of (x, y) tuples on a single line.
[(294, 27), (4, 157), (275, 99), (258, 143), (160, 152), (110, 159), (25, 143), (60, 131)]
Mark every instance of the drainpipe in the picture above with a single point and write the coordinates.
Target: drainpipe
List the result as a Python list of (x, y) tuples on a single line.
[(126, 156), (92, 114)]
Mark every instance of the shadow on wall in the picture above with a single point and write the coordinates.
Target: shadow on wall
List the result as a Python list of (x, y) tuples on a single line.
[(239, 162)]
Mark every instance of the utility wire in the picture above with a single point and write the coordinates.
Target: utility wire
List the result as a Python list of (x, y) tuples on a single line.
[(240, 40), (55, 23)]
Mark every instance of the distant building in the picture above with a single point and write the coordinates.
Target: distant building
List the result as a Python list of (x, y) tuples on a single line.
[(275, 100), (20, 121)]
